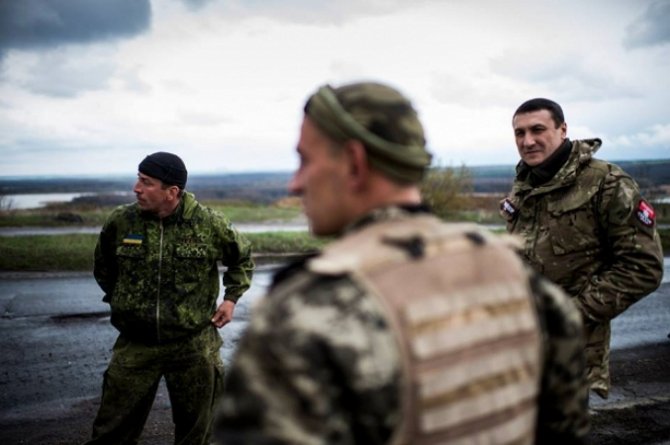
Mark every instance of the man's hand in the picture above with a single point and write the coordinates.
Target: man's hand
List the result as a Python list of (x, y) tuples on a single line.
[(224, 314)]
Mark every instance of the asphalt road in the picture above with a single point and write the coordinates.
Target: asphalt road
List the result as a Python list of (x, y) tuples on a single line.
[(55, 341)]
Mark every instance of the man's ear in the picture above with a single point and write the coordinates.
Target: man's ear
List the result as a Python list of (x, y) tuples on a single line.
[(173, 192), (358, 165)]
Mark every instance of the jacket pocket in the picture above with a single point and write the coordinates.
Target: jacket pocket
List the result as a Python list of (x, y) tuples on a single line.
[(128, 259), (572, 225), (191, 265), (131, 275)]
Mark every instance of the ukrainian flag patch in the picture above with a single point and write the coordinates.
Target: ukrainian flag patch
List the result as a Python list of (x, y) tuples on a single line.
[(133, 239)]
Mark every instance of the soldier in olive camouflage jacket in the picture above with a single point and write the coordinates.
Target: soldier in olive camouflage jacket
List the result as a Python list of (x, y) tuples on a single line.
[(160, 276), (586, 227), (404, 329), (157, 262)]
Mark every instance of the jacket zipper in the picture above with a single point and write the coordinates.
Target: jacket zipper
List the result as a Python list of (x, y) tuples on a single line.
[(158, 296)]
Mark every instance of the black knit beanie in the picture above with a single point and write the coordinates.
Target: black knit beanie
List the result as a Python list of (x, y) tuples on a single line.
[(167, 167)]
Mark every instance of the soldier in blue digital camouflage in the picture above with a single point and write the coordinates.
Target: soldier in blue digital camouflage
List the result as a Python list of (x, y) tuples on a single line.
[(585, 226), (157, 262), (405, 329)]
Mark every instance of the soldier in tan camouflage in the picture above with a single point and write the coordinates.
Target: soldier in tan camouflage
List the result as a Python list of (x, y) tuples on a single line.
[(585, 225), (405, 329)]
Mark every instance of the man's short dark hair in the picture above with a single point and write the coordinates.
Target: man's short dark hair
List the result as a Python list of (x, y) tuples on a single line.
[(539, 104)]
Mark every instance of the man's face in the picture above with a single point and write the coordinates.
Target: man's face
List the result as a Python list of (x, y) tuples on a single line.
[(151, 196), (536, 136), (320, 181)]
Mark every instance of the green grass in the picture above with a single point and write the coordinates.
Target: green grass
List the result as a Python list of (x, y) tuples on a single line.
[(75, 252), (96, 216), (246, 213), (47, 252), (284, 242)]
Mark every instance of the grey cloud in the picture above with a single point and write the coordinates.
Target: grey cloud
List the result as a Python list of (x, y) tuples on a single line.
[(196, 4), (21, 150), (131, 81), (38, 24), (57, 73), (651, 28), (471, 91), (568, 74), (69, 159)]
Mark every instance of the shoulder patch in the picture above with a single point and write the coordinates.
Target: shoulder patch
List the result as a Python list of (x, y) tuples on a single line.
[(645, 213), (508, 208)]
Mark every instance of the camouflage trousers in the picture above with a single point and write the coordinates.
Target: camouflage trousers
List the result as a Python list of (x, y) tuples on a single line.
[(193, 373)]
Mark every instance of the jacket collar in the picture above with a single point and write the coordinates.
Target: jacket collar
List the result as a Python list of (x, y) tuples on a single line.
[(581, 154), (184, 211)]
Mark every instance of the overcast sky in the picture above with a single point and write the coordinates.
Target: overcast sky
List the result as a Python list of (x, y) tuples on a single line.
[(92, 86)]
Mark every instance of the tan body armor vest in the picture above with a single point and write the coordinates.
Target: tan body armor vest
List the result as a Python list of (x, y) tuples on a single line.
[(460, 305)]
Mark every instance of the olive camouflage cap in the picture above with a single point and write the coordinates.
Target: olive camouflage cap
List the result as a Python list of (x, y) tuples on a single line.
[(382, 119)]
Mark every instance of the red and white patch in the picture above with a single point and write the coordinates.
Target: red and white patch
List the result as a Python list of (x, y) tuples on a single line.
[(508, 208), (645, 213)]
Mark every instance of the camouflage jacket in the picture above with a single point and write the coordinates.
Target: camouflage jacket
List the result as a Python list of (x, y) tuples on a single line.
[(319, 364), (160, 276), (589, 230)]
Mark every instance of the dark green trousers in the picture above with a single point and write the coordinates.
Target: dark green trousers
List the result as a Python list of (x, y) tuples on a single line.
[(193, 373)]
